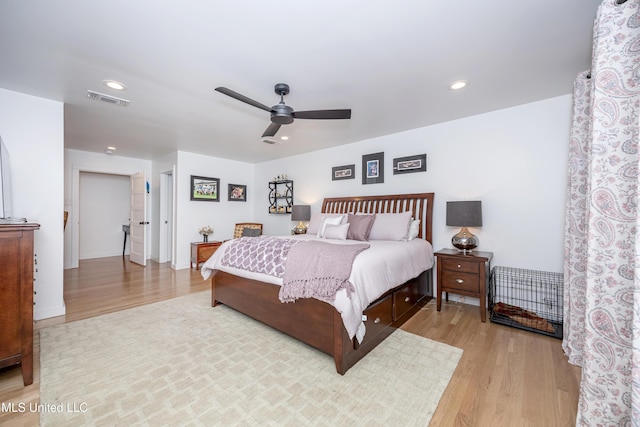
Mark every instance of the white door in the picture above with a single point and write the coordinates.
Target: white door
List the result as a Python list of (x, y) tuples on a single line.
[(166, 218), (138, 222)]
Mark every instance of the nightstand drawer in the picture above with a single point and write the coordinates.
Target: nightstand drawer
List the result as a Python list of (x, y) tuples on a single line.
[(472, 267), (207, 251), (452, 280)]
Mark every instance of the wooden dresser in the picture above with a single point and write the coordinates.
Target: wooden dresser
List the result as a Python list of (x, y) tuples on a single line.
[(16, 297)]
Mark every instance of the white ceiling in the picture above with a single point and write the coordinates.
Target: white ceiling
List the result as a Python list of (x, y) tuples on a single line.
[(390, 62)]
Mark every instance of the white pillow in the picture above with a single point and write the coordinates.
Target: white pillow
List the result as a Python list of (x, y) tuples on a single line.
[(391, 226), (338, 232), (414, 229), (316, 221), (328, 221)]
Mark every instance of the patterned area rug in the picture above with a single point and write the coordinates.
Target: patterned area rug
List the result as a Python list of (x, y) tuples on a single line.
[(182, 362)]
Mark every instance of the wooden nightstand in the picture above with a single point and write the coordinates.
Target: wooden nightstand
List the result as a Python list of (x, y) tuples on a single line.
[(464, 274), (202, 251)]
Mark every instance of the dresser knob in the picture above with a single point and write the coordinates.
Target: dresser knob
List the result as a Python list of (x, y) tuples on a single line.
[(407, 299), (460, 281), (377, 320), (459, 266)]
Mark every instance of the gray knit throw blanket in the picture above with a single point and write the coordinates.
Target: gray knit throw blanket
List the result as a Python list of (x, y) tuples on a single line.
[(318, 270)]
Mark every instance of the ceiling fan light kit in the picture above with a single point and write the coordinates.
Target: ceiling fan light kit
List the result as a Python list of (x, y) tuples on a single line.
[(282, 114)]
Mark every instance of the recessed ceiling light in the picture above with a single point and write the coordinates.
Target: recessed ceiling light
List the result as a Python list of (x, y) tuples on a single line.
[(458, 84), (284, 137), (110, 150), (114, 84)]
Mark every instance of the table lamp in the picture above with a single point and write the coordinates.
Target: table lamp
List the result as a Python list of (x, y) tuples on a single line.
[(464, 214), (300, 213)]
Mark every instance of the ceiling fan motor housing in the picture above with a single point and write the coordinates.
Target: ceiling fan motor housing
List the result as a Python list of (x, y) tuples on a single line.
[(282, 114)]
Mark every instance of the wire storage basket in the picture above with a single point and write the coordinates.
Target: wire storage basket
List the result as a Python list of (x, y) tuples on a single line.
[(527, 299)]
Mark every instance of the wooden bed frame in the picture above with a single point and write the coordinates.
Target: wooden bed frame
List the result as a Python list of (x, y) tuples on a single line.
[(316, 322)]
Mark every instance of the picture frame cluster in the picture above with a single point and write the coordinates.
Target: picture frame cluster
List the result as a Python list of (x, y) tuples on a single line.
[(373, 168), (207, 189)]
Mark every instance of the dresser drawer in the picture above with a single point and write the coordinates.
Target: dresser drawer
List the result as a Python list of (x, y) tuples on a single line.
[(379, 316), (452, 280), (404, 299), (463, 266)]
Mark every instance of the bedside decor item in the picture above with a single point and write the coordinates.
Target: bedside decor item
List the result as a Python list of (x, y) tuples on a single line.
[(343, 172), (205, 231), (410, 164), (300, 213), (237, 193), (205, 189), (464, 214), (373, 168)]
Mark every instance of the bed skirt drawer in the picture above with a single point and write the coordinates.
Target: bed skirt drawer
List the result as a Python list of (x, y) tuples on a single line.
[(379, 316), (404, 299)]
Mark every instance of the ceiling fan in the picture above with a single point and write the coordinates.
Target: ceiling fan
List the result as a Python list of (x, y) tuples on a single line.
[(282, 114)]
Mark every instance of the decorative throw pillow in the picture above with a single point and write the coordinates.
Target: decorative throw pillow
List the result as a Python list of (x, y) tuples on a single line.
[(360, 226), (414, 229), (391, 226), (338, 232), (250, 232), (328, 221), (316, 221)]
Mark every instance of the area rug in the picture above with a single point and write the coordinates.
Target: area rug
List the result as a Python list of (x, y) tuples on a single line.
[(182, 362)]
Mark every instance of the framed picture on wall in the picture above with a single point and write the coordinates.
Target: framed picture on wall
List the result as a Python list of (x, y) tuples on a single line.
[(205, 189), (373, 168), (237, 193), (343, 172), (410, 164)]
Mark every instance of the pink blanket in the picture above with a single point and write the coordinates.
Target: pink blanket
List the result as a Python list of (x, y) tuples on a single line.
[(318, 270)]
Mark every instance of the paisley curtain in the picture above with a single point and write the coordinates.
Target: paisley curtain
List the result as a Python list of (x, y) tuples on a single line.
[(602, 232)]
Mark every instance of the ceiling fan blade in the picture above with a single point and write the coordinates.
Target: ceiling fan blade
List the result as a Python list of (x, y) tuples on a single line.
[(242, 98), (271, 130), (323, 114)]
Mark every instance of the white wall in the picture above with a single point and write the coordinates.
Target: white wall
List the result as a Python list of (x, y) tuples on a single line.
[(105, 205), (221, 216), (33, 131), (513, 160), (76, 161)]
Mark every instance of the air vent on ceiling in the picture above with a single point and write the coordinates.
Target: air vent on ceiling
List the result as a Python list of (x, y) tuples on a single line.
[(107, 98)]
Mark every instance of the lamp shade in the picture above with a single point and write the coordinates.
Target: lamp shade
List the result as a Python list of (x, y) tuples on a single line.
[(300, 213), (464, 214)]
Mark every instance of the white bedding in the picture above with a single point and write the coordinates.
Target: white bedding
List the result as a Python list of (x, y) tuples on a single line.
[(385, 265)]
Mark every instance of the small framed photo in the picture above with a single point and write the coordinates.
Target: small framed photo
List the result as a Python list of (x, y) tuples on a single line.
[(410, 164), (205, 189), (343, 172), (373, 168), (237, 193)]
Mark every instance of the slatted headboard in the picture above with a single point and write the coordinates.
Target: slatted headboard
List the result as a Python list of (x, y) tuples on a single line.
[(420, 205)]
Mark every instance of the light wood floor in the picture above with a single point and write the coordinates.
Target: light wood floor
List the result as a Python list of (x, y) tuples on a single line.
[(506, 377)]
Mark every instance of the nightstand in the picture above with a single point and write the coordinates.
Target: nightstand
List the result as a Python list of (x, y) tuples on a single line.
[(463, 274), (202, 251)]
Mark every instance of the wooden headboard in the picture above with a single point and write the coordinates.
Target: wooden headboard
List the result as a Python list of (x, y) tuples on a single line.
[(420, 205)]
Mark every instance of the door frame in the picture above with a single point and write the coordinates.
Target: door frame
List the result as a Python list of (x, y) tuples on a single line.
[(75, 203)]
